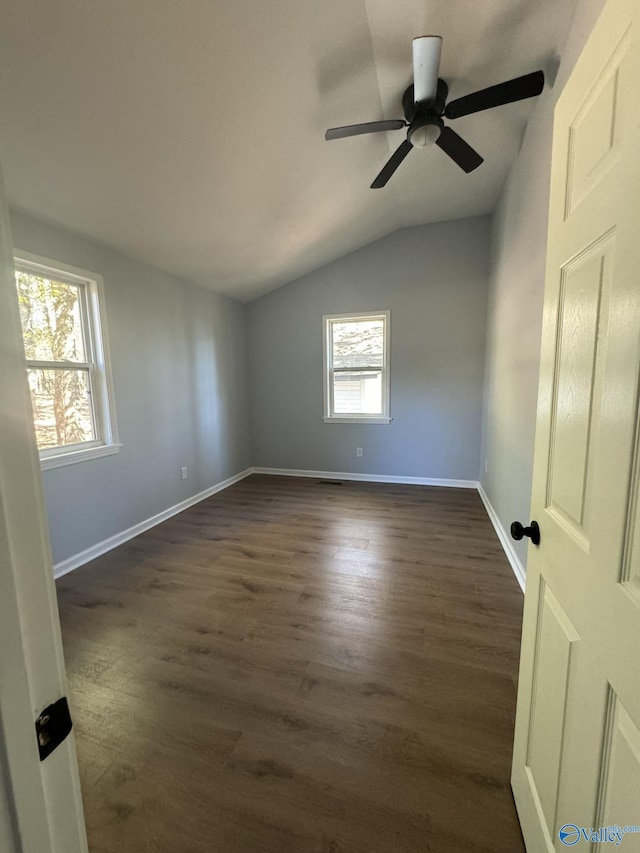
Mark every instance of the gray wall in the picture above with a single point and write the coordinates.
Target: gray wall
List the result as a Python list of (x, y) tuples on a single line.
[(519, 239), (179, 371), (7, 838), (434, 280)]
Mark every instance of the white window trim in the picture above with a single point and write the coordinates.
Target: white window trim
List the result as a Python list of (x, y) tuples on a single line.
[(102, 385), (328, 418)]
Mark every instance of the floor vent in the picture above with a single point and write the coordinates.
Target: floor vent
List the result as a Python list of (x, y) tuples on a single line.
[(330, 482)]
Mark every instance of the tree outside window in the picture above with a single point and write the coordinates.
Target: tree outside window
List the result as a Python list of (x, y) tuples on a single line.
[(66, 363)]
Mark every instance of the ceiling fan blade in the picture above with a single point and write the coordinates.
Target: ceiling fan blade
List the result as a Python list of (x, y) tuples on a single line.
[(426, 66), (392, 164), (459, 151), (369, 127), (518, 89)]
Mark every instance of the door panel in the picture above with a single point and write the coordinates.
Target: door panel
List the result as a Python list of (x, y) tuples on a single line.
[(620, 775), (596, 132), (581, 299), (555, 637)]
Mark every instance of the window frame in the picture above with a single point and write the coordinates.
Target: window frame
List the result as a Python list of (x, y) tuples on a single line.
[(328, 369), (98, 365)]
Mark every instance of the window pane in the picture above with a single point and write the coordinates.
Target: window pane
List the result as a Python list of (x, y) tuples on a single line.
[(62, 410), (50, 314), (359, 343), (357, 393)]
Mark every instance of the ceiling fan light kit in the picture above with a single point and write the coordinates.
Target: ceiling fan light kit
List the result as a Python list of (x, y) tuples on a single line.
[(421, 135), (425, 104)]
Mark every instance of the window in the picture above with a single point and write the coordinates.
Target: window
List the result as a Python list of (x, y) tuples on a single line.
[(356, 375), (67, 363)]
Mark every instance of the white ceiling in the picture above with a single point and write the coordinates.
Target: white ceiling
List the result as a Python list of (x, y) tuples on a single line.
[(190, 133)]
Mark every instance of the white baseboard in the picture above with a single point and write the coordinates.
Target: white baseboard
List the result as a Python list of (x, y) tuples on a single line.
[(368, 478), (505, 540), (77, 560)]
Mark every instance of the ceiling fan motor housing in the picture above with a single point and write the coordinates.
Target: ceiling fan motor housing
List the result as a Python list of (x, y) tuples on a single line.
[(436, 108), (425, 124)]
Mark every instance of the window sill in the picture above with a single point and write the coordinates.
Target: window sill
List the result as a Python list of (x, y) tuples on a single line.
[(356, 420), (82, 455)]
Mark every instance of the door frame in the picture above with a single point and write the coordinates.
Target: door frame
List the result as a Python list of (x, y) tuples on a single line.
[(44, 798)]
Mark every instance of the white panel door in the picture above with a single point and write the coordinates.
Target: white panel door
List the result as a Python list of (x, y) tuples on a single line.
[(41, 810), (576, 765)]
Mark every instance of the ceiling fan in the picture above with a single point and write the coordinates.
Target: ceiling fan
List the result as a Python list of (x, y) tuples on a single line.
[(424, 105)]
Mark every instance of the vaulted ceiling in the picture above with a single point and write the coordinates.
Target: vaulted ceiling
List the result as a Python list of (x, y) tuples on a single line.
[(190, 133)]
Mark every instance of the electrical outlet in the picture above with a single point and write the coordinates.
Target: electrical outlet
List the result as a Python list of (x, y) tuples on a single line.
[(358, 451), (183, 473)]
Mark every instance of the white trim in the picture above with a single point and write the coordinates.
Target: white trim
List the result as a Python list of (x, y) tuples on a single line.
[(329, 416), (75, 274), (77, 560), (96, 338), (98, 308), (357, 419), (81, 455), (505, 541), (368, 478), (358, 315), (100, 548)]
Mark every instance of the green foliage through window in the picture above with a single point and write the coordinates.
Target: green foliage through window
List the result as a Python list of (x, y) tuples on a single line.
[(59, 368)]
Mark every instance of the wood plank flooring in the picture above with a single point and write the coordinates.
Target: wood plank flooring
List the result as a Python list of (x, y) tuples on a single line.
[(296, 666)]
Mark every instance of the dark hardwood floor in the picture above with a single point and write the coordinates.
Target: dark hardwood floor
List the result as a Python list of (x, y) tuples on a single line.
[(296, 666)]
